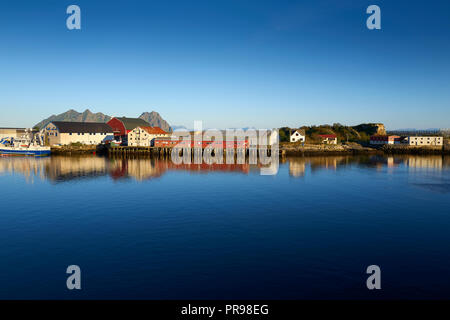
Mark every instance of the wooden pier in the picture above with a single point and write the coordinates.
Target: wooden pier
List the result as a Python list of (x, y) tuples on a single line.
[(163, 152), (144, 151)]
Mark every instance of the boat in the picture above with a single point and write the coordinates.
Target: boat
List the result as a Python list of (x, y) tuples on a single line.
[(115, 143), (28, 144)]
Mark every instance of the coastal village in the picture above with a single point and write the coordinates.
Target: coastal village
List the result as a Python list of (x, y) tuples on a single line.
[(123, 133), (378, 139)]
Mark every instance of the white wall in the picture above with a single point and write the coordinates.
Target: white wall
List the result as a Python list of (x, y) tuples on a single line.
[(425, 141), (141, 138), (297, 137), (54, 137)]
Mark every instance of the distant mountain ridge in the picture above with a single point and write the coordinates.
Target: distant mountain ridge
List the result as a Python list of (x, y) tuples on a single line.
[(156, 120), (153, 118), (74, 116)]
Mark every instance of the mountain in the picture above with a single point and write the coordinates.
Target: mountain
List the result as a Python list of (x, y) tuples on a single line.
[(74, 116), (413, 130), (156, 120), (183, 128), (153, 118)]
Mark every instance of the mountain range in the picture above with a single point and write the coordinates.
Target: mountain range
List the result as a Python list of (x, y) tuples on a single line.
[(153, 118)]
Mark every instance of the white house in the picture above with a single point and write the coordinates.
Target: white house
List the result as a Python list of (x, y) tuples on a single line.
[(298, 135), (328, 138)]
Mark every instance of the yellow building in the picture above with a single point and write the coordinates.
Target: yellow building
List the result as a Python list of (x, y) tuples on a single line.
[(328, 138), (89, 133), (11, 132), (143, 136), (424, 141)]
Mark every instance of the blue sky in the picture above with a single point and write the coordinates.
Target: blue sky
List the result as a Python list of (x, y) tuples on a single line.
[(230, 63)]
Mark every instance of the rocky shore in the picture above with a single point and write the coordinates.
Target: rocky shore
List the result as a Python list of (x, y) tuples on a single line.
[(77, 150), (293, 149), (420, 150)]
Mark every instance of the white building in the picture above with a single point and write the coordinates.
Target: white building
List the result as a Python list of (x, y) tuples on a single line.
[(11, 132), (143, 136), (424, 141), (328, 138), (65, 133), (298, 135)]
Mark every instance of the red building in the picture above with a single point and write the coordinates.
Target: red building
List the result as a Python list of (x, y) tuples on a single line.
[(168, 143), (328, 138), (378, 139), (122, 126)]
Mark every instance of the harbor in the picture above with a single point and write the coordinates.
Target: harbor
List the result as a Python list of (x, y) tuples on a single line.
[(123, 136)]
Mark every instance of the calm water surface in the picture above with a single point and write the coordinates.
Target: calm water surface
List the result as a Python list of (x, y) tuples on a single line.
[(142, 228)]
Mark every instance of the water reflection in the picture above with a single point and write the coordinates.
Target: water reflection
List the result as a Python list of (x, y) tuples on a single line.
[(425, 172), (298, 166), (60, 169)]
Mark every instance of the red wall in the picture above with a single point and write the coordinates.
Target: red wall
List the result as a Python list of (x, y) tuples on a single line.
[(117, 125), (225, 144)]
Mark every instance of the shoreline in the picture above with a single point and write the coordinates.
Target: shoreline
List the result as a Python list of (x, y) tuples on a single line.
[(285, 150), (350, 150)]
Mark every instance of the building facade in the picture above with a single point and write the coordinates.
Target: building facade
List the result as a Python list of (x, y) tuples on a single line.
[(168, 142), (11, 132), (424, 141), (298, 135), (328, 138), (122, 126), (64, 133), (143, 136), (379, 139)]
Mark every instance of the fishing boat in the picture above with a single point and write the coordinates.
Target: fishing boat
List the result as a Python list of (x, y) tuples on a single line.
[(28, 144)]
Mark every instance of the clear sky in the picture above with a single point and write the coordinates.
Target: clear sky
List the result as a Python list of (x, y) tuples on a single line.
[(230, 63)]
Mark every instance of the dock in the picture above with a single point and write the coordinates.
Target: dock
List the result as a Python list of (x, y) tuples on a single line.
[(163, 152)]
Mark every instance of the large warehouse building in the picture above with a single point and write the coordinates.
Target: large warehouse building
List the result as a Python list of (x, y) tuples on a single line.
[(64, 133)]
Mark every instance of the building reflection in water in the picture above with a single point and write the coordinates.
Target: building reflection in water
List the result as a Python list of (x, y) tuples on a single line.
[(431, 162), (59, 169), (70, 168), (30, 168), (298, 165), (144, 169)]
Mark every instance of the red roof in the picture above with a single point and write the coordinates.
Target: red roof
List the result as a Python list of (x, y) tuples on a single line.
[(384, 138), (154, 130), (330, 136)]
